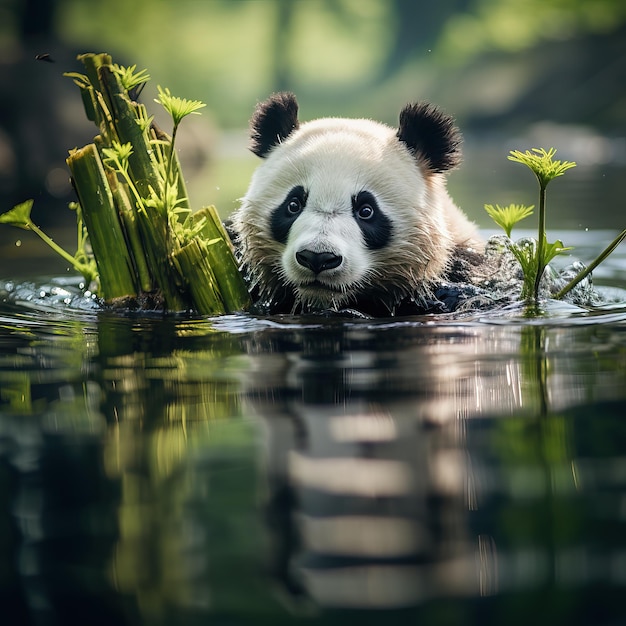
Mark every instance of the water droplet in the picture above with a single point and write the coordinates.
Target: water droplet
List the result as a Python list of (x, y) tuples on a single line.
[(18, 243)]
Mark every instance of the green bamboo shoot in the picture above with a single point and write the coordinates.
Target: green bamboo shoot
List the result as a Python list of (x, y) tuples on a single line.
[(114, 262), (146, 243), (194, 264)]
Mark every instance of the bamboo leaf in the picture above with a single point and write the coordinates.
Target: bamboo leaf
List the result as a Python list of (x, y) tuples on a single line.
[(177, 107), (592, 266), (19, 215), (509, 216), (552, 250), (542, 163), (129, 78)]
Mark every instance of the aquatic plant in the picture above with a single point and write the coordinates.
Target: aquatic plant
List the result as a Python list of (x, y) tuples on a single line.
[(19, 216), (139, 240), (534, 259), (546, 169), (589, 268), (535, 255), (508, 216)]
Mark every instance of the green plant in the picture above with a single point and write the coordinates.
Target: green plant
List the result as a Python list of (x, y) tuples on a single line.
[(509, 216), (546, 169), (145, 244), (82, 261), (534, 255), (592, 266)]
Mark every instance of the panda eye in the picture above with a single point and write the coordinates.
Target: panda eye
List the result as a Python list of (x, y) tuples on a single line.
[(294, 206), (365, 212), (374, 225)]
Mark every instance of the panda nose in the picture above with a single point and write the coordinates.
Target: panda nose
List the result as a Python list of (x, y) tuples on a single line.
[(318, 261)]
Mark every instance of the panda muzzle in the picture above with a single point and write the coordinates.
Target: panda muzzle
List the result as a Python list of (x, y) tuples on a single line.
[(318, 262)]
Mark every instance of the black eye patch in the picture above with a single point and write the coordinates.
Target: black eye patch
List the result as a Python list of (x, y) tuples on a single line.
[(374, 224), (284, 215)]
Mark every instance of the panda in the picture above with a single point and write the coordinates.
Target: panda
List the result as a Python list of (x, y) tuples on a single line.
[(350, 214)]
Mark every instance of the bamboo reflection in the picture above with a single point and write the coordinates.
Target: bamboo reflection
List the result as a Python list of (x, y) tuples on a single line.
[(173, 412)]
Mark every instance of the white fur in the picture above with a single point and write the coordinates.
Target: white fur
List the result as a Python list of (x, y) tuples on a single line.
[(334, 159)]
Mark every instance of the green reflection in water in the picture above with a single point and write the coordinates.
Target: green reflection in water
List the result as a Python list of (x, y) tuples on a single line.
[(142, 432)]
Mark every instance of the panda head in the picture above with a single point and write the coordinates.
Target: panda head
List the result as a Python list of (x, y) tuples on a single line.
[(343, 210)]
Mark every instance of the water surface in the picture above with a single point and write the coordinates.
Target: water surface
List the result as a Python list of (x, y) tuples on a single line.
[(243, 470)]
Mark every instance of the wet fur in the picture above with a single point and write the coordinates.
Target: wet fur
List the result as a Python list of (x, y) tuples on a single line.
[(334, 159)]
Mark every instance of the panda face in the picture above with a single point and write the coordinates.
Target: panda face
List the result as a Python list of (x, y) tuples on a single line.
[(341, 210), (326, 211), (327, 243)]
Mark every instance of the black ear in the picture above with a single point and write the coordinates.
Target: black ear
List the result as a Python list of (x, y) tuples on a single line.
[(273, 120), (431, 135)]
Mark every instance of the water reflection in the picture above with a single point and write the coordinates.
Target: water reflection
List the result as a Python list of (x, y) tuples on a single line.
[(246, 470), (440, 462)]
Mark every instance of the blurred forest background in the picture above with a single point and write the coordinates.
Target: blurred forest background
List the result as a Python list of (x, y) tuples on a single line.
[(515, 74)]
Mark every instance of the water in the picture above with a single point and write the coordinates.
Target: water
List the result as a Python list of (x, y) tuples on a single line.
[(245, 470)]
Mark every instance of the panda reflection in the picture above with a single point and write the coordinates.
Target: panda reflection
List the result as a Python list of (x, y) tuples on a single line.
[(350, 213)]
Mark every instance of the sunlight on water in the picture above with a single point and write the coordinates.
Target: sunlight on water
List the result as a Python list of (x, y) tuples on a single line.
[(177, 470)]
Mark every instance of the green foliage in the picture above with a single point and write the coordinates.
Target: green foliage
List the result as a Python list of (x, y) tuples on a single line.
[(138, 236), (129, 78), (514, 26), (19, 216), (542, 164), (116, 157), (551, 250), (546, 169), (81, 261), (178, 108), (532, 257), (509, 216)]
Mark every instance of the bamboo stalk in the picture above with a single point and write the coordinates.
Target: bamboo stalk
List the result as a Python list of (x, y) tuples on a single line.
[(221, 258), (142, 162), (186, 269), (592, 266), (129, 219), (96, 107), (92, 62), (156, 245), (195, 267), (232, 288), (152, 224), (213, 227), (113, 259)]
